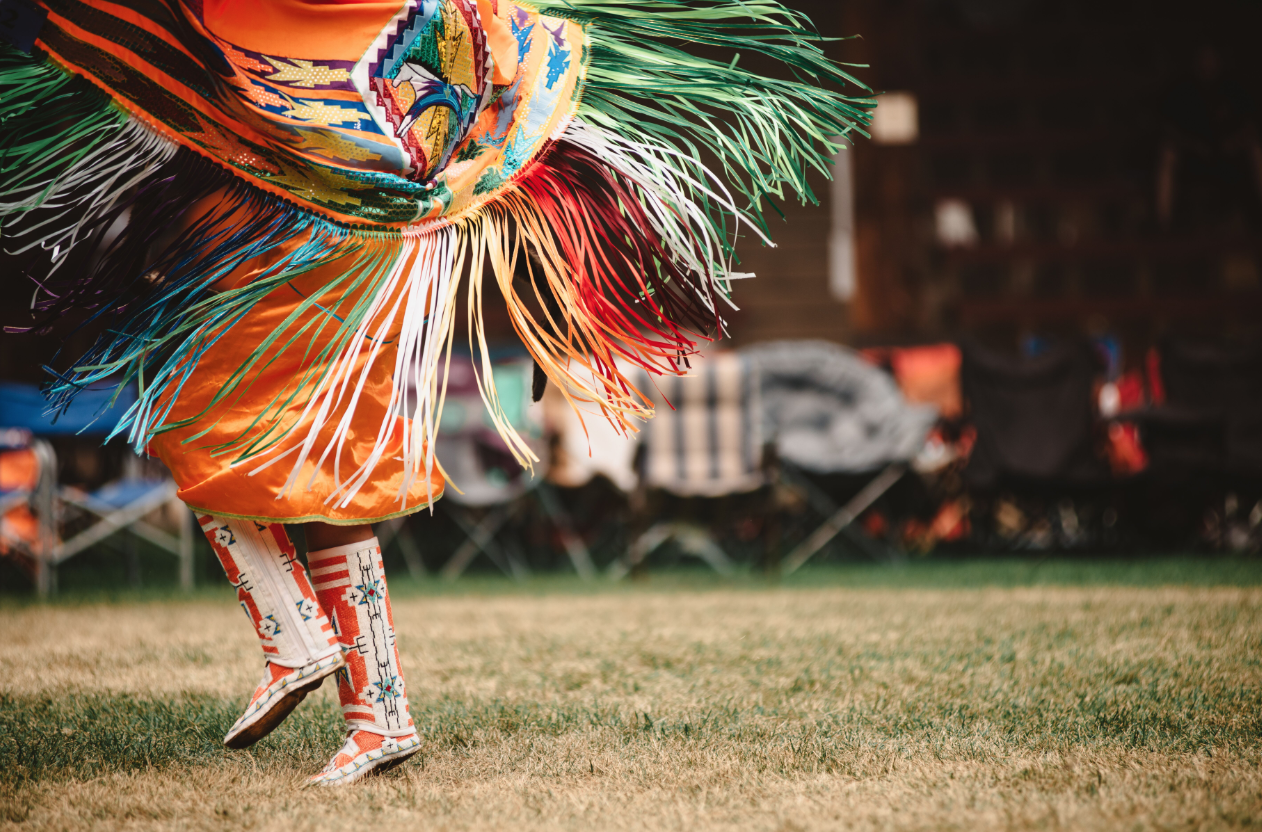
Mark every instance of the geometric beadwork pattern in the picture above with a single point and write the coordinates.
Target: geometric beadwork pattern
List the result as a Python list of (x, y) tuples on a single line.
[(350, 583), (273, 588)]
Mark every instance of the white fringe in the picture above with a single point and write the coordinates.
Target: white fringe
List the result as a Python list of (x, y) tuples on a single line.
[(90, 188), (421, 287)]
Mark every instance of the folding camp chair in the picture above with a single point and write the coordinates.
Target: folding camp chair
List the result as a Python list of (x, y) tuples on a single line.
[(1211, 420), (1034, 416), (828, 411), (28, 483), (1204, 441), (72, 520), (487, 487), (705, 441), (1036, 440)]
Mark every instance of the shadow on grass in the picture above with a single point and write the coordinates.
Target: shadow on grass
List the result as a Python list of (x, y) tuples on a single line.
[(84, 736)]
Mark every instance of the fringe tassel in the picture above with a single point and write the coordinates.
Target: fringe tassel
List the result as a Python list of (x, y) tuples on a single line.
[(65, 155), (767, 133), (601, 270), (620, 275), (626, 266), (171, 315), (686, 203), (416, 287), (83, 197)]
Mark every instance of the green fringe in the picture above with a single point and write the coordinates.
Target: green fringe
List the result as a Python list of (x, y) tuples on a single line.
[(767, 133), (49, 121), (26, 83)]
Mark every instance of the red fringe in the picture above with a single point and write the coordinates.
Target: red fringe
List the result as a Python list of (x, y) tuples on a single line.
[(624, 276)]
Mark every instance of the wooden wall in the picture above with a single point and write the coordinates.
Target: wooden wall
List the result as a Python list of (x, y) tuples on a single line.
[(1052, 114)]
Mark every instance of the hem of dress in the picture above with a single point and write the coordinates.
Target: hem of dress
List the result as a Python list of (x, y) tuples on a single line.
[(314, 518)]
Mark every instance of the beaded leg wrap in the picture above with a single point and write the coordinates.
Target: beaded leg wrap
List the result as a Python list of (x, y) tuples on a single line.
[(351, 585), (299, 644)]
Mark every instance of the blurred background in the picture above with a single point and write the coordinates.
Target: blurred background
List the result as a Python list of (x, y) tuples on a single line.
[(1023, 319)]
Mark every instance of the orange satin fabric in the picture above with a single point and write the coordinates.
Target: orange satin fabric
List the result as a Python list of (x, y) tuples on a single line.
[(500, 40), (206, 480), (330, 30), (334, 30)]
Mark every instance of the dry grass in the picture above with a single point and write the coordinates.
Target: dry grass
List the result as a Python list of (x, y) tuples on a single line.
[(775, 709)]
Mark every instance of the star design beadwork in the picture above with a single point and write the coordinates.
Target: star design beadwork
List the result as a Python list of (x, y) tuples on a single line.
[(388, 689), (369, 592)]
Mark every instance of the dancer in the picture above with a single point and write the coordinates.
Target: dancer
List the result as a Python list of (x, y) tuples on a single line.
[(270, 210)]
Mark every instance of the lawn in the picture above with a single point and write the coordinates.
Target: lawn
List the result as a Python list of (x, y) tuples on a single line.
[(971, 696)]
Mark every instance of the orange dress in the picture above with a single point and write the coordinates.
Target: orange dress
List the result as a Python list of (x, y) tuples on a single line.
[(202, 467), (201, 455)]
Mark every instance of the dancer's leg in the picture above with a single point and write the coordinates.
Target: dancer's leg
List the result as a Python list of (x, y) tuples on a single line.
[(327, 536), (298, 640), (351, 585)]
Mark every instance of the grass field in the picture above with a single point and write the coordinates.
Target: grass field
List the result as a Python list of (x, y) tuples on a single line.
[(982, 696)]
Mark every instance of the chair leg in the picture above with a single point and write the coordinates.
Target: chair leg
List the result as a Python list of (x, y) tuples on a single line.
[(878, 550), (697, 541), (517, 566), (410, 551), (481, 538), (640, 531), (132, 557), (186, 546), (43, 570), (693, 539), (772, 532), (639, 550), (397, 530), (844, 516), (46, 510), (580, 555)]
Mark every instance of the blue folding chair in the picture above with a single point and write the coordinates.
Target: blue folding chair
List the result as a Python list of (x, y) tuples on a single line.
[(121, 505)]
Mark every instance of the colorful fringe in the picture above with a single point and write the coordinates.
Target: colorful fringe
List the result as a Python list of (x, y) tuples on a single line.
[(616, 231)]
